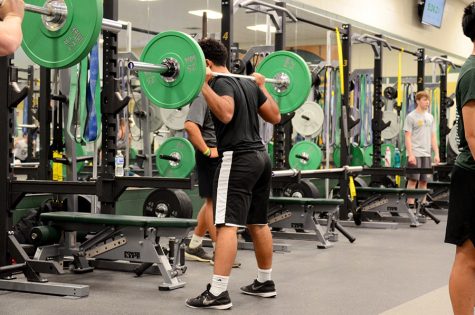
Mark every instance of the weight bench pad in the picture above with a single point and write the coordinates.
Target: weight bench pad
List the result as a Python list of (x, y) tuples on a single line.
[(383, 190), (306, 201), (112, 219)]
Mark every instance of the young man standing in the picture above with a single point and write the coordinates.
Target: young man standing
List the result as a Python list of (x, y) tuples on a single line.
[(420, 135), (243, 178), (461, 219)]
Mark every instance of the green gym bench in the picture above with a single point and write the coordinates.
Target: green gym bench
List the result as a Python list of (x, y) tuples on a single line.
[(114, 237), (300, 213), (374, 202)]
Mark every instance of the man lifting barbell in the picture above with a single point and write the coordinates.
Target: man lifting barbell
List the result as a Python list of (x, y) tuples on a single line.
[(11, 14), (242, 180)]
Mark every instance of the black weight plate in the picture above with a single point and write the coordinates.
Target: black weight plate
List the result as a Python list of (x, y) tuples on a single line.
[(165, 203)]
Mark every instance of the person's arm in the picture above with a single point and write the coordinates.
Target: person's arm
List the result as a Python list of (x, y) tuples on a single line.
[(411, 159), (269, 111), (195, 137), (11, 14), (221, 106), (435, 147), (11, 37), (468, 114)]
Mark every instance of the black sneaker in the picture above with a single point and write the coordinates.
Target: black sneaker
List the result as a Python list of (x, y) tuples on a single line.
[(266, 289), (208, 300), (197, 253)]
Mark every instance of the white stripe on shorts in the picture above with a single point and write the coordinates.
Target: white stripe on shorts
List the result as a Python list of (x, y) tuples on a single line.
[(223, 182)]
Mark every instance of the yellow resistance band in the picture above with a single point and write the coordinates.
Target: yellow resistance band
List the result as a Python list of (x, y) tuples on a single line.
[(399, 80), (340, 60)]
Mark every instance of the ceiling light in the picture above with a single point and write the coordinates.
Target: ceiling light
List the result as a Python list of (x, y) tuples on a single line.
[(210, 14), (261, 28)]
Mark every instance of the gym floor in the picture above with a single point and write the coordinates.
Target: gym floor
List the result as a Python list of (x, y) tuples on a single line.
[(391, 271)]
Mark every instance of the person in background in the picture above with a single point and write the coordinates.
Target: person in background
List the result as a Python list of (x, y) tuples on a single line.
[(460, 229), (11, 16), (420, 135)]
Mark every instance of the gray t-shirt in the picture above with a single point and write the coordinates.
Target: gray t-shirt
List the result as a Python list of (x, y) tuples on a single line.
[(421, 127), (200, 115)]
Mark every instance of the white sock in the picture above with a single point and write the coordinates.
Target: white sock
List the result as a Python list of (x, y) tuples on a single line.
[(195, 241), (263, 275), (219, 284), (214, 245)]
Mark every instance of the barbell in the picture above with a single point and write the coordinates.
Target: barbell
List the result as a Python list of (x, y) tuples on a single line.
[(60, 33), (295, 172), (172, 70)]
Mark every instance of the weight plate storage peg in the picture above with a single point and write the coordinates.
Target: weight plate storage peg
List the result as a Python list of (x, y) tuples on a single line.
[(54, 42), (183, 54), (308, 119), (305, 155), (164, 203), (175, 158), (290, 67)]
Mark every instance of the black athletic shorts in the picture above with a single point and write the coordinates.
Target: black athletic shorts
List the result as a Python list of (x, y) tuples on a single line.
[(205, 168), (461, 218), (242, 188), (421, 162)]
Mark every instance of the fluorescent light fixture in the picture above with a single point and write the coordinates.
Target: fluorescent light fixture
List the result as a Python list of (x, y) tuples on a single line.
[(210, 14), (261, 28)]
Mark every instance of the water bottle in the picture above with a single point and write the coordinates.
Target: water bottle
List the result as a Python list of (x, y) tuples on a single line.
[(387, 157), (397, 158), (119, 164)]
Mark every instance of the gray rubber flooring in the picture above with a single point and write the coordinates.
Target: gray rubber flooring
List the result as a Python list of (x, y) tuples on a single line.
[(380, 271)]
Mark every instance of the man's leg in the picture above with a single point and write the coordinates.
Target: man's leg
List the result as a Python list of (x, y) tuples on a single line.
[(195, 251), (411, 184), (422, 185), (462, 280), (263, 286), (262, 240), (209, 218), (226, 250)]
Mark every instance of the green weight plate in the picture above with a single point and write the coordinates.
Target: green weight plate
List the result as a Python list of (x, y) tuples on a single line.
[(179, 148), (67, 45), (181, 91), (294, 67), (357, 158), (305, 155)]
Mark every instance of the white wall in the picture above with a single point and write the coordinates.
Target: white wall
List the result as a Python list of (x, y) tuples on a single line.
[(398, 19)]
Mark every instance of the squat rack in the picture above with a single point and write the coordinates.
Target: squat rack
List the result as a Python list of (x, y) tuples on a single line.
[(107, 187)]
